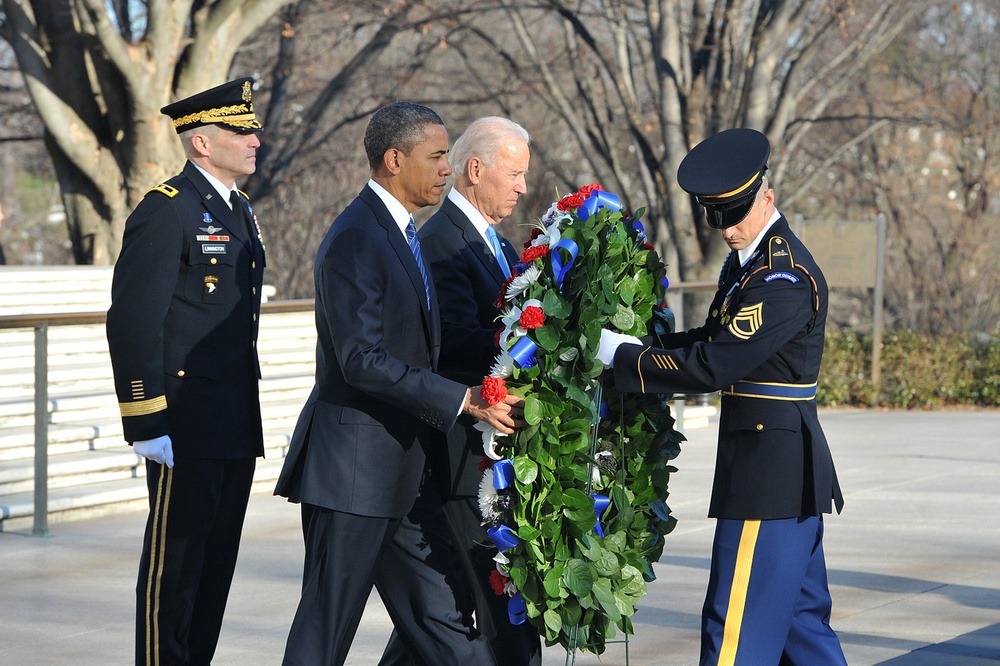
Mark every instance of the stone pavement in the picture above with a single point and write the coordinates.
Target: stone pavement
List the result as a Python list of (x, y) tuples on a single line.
[(914, 562)]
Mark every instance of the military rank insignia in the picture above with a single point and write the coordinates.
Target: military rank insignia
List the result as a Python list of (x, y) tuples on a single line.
[(664, 362), (747, 321)]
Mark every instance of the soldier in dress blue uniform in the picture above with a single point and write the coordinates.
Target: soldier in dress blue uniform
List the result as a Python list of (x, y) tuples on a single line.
[(182, 331), (768, 600)]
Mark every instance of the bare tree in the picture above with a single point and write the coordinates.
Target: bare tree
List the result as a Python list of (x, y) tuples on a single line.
[(931, 168), (637, 83), (98, 71)]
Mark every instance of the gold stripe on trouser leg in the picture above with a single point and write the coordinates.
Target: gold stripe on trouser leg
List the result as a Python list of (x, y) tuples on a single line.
[(157, 547), (738, 593)]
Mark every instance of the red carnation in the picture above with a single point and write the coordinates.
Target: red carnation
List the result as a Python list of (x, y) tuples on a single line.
[(494, 390), (498, 582), (587, 190), (570, 201), (534, 252), (496, 337), (484, 464), (532, 317)]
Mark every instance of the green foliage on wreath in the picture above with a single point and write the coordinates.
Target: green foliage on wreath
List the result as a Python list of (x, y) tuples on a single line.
[(577, 586)]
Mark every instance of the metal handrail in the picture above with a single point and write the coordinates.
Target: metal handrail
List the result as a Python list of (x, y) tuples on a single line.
[(41, 323)]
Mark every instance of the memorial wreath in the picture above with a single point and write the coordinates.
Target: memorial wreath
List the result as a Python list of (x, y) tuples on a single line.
[(575, 502)]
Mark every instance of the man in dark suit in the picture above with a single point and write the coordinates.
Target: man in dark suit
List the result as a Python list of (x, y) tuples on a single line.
[(470, 263), (357, 460), (768, 601), (182, 330)]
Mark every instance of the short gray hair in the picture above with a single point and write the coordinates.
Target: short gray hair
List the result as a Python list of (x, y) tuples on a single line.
[(483, 138)]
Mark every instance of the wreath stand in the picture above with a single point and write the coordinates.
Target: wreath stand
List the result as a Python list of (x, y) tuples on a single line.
[(598, 396)]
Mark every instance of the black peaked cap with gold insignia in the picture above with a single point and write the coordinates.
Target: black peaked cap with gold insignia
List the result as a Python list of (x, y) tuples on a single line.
[(724, 173), (229, 106)]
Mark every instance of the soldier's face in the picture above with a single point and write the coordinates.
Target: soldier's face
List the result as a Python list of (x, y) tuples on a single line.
[(230, 155), (740, 235)]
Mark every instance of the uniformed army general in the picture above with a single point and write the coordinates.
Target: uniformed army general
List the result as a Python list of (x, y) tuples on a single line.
[(182, 331), (768, 600)]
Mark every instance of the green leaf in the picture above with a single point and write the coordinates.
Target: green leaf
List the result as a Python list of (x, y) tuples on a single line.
[(556, 306), (607, 566), (553, 581), (623, 319), (547, 337), (528, 533), (553, 623), (606, 598), (533, 409), (627, 289), (525, 470), (579, 577)]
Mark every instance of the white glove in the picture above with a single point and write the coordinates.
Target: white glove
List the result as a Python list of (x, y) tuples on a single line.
[(158, 450), (609, 345)]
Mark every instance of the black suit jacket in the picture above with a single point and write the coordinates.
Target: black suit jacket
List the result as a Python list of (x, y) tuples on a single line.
[(359, 444), (182, 327), (468, 280), (766, 325)]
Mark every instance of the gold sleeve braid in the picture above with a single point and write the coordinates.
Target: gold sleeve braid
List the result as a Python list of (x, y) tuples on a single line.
[(143, 407)]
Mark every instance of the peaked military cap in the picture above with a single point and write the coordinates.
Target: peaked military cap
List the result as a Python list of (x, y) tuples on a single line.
[(724, 173), (229, 106)]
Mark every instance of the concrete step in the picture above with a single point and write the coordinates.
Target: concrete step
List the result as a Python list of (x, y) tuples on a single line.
[(17, 408), (111, 494), (18, 443), (70, 469)]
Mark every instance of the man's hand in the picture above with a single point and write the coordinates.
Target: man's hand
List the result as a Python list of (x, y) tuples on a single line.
[(159, 450), (505, 416), (610, 342)]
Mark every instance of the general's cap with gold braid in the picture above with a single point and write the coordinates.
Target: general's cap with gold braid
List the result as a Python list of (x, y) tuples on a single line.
[(724, 173), (228, 106)]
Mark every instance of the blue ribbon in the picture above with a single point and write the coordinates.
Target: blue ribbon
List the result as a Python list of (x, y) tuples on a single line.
[(523, 352), (598, 199), (503, 537), (516, 610), (503, 474), (558, 268), (641, 230), (602, 410), (601, 503), (665, 282)]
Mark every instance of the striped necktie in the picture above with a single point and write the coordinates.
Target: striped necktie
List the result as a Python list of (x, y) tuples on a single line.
[(414, 243), (491, 234)]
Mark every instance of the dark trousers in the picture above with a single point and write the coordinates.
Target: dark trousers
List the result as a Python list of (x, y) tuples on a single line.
[(410, 563), (192, 539), (768, 601), (513, 645)]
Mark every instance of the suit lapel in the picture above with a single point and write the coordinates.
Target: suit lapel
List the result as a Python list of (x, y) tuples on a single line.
[(401, 249), (475, 240)]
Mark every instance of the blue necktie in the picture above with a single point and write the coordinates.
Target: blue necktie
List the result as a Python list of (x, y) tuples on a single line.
[(491, 234), (414, 242)]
